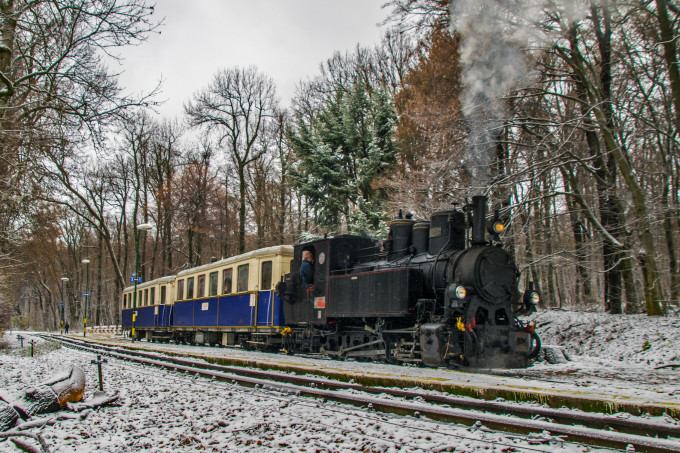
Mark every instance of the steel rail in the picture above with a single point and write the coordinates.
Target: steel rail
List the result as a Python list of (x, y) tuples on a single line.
[(429, 405)]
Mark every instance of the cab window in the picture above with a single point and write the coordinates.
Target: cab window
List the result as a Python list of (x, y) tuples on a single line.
[(213, 284), (180, 289), (242, 284), (266, 276), (226, 280), (201, 286), (190, 288)]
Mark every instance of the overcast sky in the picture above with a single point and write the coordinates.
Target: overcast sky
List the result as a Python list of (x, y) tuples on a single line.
[(286, 39)]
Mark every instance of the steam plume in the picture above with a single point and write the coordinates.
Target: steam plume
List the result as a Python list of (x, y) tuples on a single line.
[(495, 35)]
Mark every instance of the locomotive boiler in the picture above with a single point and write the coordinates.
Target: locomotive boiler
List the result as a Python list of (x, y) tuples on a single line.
[(441, 292)]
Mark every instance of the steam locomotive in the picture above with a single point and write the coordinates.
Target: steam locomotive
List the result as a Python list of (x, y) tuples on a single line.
[(437, 293)]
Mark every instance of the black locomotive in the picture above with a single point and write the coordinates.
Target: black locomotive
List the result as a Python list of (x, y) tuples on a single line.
[(435, 292)]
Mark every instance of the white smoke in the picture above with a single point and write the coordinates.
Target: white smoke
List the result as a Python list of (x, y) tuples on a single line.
[(496, 36)]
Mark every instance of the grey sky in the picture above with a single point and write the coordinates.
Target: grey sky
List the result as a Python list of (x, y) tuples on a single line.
[(286, 39)]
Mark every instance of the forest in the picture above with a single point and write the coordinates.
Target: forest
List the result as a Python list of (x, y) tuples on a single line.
[(565, 113)]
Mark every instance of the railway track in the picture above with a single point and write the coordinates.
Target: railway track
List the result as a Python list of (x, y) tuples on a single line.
[(592, 429)]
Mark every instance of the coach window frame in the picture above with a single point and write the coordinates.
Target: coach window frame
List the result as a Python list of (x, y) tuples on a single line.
[(190, 287), (200, 286), (242, 277), (227, 288), (152, 296), (180, 289), (266, 280), (213, 282)]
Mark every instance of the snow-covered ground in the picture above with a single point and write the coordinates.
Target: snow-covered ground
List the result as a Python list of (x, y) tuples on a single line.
[(632, 352), (164, 411)]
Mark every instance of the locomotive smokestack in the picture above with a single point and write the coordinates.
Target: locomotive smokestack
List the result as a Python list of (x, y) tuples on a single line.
[(478, 220)]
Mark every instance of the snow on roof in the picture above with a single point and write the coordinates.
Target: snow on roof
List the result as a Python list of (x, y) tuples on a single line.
[(286, 250)]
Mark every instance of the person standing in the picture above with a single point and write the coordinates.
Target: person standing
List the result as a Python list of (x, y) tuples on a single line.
[(307, 268), (66, 327)]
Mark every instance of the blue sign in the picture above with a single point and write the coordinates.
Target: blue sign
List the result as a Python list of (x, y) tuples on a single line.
[(62, 304), (87, 294), (138, 279)]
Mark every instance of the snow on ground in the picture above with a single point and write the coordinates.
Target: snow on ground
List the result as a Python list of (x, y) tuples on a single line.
[(630, 339), (164, 411), (622, 352)]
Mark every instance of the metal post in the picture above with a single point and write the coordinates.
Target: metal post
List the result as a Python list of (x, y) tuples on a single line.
[(32, 342), (135, 277), (87, 283), (62, 305), (99, 362), (21, 339)]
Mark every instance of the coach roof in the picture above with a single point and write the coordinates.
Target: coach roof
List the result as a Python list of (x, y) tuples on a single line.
[(267, 251)]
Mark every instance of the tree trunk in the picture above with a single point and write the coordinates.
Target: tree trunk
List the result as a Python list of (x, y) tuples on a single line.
[(583, 281), (668, 39), (242, 209)]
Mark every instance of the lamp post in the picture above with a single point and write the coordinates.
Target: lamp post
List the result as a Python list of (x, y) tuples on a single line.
[(135, 277), (62, 305), (86, 294)]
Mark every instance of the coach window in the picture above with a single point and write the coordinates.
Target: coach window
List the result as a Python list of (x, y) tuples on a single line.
[(163, 294), (190, 288), (242, 283), (146, 297), (226, 280), (266, 276), (213, 284), (201, 286), (180, 289), (152, 298), (124, 301), (139, 298)]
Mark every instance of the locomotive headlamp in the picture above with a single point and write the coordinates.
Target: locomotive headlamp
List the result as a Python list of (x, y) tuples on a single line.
[(461, 292), (532, 297), (535, 298), (496, 227)]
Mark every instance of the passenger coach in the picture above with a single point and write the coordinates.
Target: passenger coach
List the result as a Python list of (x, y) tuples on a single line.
[(227, 302), (152, 307)]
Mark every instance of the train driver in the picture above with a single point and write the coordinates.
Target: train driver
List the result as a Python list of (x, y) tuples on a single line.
[(307, 268)]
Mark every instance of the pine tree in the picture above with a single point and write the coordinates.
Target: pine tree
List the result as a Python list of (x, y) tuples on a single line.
[(343, 152)]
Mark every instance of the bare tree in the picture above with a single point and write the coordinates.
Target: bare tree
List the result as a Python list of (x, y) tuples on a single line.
[(53, 80), (234, 109)]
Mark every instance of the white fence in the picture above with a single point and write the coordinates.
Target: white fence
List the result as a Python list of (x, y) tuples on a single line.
[(115, 330)]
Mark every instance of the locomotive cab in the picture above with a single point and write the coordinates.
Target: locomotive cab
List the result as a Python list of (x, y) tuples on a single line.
[(307, 304)]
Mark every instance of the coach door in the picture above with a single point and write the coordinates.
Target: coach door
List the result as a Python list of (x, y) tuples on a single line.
[(315, 299), (160, 308)]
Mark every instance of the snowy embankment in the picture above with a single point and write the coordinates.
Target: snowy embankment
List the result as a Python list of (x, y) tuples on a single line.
[(641, 339)]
